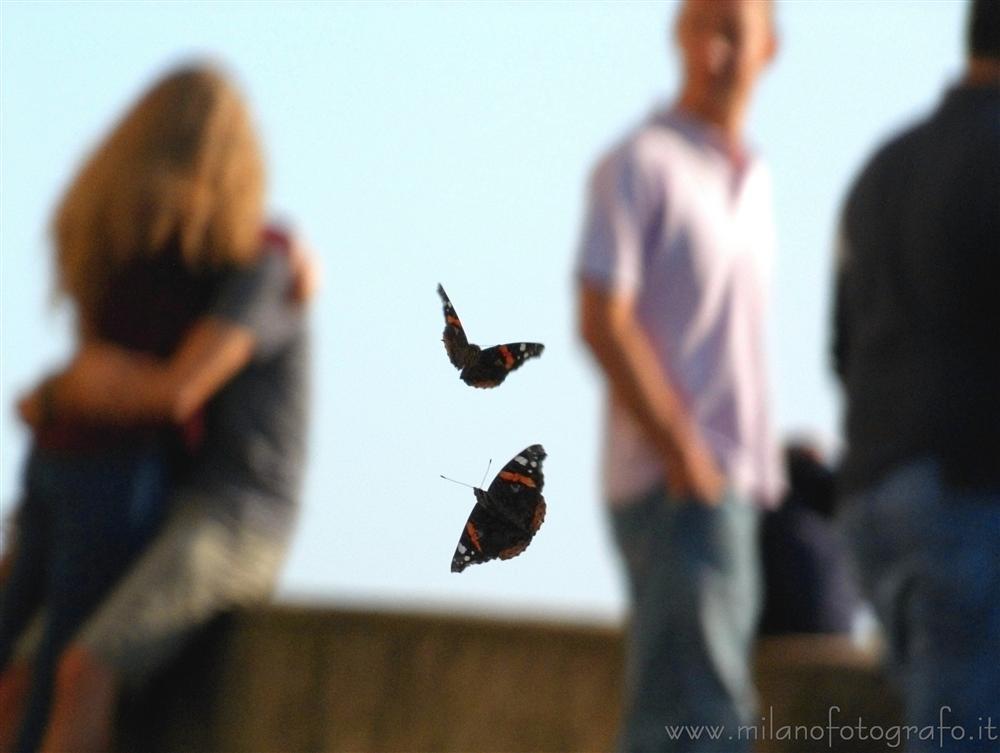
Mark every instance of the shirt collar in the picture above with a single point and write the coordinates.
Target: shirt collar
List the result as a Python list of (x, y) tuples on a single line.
[(704, 135)]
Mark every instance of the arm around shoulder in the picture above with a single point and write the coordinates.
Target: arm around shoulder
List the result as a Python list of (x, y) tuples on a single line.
[(107, 384)]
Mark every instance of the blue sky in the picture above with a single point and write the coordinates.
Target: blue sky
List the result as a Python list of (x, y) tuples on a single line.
[(417, 143)]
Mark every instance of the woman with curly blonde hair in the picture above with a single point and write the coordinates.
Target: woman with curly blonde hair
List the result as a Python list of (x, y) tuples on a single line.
[(162, 248)]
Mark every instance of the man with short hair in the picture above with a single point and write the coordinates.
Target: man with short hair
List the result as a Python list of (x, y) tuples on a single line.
[(917, 346), (672, 274)]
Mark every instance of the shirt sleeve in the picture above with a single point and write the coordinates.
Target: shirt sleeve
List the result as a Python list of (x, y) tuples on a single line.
[(623, 204), (257, 298)]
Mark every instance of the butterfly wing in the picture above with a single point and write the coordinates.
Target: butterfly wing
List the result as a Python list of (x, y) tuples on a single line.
[(493, 365), (507, 515), (522, 476), (455, 342)]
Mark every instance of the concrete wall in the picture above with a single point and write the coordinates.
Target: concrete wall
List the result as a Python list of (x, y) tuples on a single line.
[(337, 680)]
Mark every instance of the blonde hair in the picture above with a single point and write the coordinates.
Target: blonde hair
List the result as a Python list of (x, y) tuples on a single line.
[(183, 170)]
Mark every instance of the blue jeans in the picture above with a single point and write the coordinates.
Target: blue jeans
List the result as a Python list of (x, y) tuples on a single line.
[(82, 521), (929, 559), (695, 587)]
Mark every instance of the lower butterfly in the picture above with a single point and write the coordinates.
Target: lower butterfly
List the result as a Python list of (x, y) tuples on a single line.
[(506, 515)]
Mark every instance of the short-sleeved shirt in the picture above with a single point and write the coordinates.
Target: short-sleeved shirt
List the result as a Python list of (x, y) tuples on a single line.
[(680, 223), (253, 450)]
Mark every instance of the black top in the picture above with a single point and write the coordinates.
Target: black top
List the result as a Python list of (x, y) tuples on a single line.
[(151, 303), (148, 305), (917, 312)]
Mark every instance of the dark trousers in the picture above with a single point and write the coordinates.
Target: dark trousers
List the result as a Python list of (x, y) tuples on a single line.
[(82, 521)]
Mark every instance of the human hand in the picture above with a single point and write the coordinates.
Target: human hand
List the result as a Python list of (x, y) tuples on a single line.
[(29, 407), (306, 270), (692, 473)]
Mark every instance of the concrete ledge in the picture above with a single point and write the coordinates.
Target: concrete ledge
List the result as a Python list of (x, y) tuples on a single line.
[(811, 681), (287, 679)]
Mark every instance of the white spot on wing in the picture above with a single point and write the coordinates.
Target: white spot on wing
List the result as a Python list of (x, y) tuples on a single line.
[(521, 460), (524, 347), (461, 549)]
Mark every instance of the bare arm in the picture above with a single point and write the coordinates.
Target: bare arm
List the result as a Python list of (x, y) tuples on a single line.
[(107, 384), (608, 326)]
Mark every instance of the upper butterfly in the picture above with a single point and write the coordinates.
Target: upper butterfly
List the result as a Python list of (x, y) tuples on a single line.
[(505, 516), (481, 368)]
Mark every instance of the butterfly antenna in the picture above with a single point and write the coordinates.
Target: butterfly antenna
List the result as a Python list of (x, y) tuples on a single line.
[(483, 482), (460, 483)]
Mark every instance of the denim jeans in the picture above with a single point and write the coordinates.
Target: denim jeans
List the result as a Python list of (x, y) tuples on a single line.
[(929, 558), (82, 521), (695, 588)]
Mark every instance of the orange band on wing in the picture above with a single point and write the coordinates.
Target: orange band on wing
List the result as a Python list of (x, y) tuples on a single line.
[(517, 478), (453, 321), (508, 357), (473, 536), (513, 551), (539, 516)]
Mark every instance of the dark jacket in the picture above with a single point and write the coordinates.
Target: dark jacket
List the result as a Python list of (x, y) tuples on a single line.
[(917, 313)]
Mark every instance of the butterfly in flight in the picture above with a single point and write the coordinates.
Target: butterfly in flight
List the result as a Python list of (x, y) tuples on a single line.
[(505, 516), (481, 368)]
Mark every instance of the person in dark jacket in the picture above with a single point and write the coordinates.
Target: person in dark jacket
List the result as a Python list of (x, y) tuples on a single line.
[(917, 348)]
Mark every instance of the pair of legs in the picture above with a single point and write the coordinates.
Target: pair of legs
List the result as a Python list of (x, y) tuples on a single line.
[(83, 701), (206, 560), (694, 582), (929, 558), (84, 519)]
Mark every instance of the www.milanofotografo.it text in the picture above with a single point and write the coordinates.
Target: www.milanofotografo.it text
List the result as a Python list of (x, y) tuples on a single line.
[(839, 730)]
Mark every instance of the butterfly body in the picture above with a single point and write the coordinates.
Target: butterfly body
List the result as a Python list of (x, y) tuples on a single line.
[(507, 515), (481, 367)]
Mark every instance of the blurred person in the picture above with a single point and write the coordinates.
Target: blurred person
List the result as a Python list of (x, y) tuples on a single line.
[(138, 253), (232, 511), (808, 583), (176, 193), (915, 344), (673, 270)]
